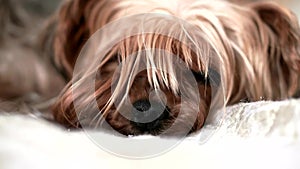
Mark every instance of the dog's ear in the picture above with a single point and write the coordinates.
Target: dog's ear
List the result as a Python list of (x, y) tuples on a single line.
[(284, 40), (71, 33)]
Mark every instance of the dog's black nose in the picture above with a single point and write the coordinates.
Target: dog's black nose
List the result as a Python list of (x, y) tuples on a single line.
[(142, 105), (149, 116)]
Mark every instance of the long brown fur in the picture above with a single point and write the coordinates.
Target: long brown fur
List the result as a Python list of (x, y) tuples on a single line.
[(257, 46)]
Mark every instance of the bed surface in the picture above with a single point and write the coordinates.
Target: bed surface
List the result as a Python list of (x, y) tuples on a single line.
[(251, 135)]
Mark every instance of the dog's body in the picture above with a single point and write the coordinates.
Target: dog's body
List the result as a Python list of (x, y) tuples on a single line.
[(23, 73), (256, 47)]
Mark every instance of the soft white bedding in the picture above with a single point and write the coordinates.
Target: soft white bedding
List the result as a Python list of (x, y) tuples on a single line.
[(252, 135)]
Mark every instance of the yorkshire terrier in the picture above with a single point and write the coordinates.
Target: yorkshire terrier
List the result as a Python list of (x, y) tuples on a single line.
[(250, 52)]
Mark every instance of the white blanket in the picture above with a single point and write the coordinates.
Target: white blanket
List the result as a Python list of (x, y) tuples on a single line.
[(252, 135)]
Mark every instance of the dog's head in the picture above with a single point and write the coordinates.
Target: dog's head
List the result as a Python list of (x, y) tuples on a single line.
[(164, 79)]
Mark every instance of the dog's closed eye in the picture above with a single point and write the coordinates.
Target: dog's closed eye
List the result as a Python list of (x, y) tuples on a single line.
[(200, 77), (212, 77)]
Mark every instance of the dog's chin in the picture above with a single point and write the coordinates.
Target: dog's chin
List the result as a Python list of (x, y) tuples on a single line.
[(168, 123)]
